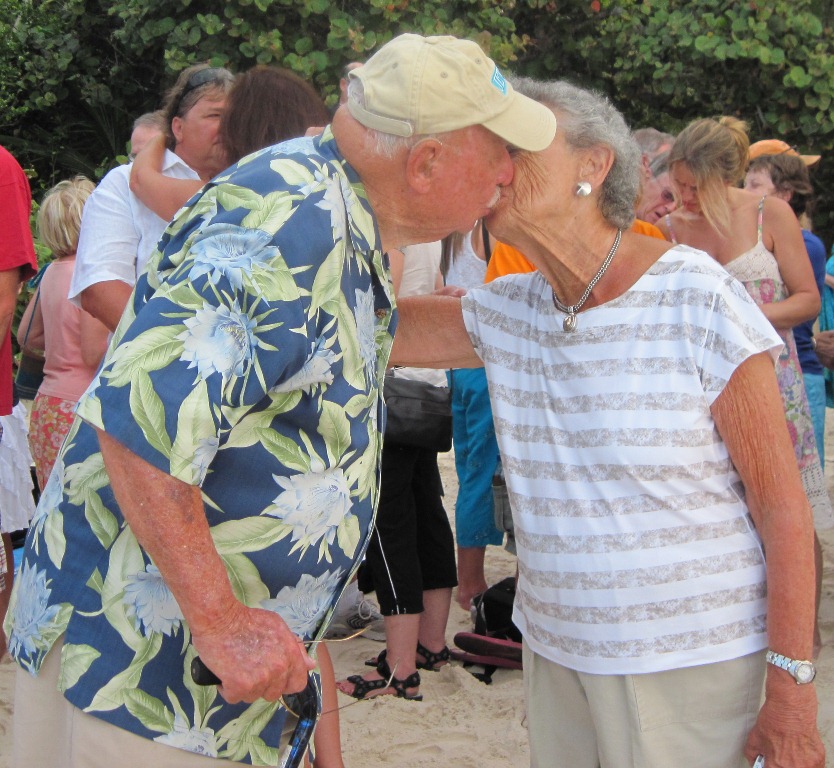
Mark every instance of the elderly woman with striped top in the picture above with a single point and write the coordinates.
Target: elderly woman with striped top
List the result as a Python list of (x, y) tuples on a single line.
[(649, 468)]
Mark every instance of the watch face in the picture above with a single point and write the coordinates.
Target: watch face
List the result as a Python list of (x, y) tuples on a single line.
[(805, 672)]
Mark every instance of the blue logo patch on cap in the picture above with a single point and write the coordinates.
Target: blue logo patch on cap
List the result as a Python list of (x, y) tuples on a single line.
[(499, 82)]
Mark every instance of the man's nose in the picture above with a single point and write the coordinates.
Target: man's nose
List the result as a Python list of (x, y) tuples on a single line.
[(507, 170)]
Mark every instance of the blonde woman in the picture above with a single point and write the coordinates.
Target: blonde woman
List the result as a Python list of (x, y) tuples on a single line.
[(758, 240), (73, 342)]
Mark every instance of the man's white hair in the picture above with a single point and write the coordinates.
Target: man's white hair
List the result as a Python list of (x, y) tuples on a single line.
[(386, 145)]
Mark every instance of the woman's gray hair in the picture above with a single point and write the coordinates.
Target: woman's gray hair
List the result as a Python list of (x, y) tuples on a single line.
[(588, 119)]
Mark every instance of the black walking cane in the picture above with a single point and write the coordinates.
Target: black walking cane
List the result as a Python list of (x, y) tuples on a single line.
[(304, 705)]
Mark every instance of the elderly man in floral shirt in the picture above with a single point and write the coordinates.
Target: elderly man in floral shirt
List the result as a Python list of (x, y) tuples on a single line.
[(218, 486)]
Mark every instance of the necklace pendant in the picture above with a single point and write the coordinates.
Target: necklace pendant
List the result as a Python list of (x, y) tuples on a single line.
[(569, 323)]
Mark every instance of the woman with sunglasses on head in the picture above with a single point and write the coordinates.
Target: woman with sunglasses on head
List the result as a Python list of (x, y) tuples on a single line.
[(266, 105)]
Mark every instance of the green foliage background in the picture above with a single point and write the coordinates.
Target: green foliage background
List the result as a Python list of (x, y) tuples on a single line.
[(74, 73)]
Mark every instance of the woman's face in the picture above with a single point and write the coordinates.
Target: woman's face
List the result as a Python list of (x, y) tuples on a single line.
[(542, 187), (687, 188), (759, 182)]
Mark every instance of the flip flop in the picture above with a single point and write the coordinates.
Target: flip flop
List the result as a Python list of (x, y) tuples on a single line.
[(507, 653)]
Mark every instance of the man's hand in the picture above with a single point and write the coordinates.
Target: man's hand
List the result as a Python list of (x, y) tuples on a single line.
[(255, 655), (251, 650), (825, 348)]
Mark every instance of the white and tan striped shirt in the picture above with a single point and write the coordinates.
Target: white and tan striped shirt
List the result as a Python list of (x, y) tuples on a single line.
[(636, 550)]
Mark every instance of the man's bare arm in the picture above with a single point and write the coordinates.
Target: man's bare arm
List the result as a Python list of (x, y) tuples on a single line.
[(106, 301), (251, 650), (9, 288), (431, 334)]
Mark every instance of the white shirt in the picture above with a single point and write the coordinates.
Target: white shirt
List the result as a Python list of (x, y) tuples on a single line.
[(421, 273), (118, 232), (636, 549), (467, 268)]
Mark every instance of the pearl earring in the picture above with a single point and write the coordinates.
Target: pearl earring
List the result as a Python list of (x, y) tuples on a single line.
[(583, 189)]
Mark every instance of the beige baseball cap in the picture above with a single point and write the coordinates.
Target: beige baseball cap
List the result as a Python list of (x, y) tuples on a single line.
[(418, 85)]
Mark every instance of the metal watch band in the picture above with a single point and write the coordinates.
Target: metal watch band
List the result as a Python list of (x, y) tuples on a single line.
[(792, 667)]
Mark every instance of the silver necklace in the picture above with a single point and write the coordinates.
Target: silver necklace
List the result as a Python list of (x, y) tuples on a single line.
[(569, 323)]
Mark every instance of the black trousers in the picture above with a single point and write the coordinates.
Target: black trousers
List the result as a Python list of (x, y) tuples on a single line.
[(412, 547)]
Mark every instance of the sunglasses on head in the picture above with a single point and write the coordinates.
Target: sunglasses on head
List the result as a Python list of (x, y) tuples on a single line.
[(199, 78)]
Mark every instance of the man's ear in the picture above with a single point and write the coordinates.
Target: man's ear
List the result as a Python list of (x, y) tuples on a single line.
[(422, 163)]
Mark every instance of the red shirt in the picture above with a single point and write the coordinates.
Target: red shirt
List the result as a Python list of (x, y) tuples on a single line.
[(16, 252)]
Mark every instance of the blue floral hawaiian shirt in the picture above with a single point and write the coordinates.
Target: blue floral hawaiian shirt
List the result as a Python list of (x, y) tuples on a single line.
[(249, 363)]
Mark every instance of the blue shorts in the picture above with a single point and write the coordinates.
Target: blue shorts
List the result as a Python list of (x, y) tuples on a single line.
[(476, 457)]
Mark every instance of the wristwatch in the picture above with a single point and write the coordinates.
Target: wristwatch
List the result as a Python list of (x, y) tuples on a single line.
[(801, 671)]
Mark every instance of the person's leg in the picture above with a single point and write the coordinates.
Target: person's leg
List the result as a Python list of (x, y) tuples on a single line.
[(6, 579), (434, 619), (394, 568), (474, 516), (559, 723), (327, 737), (695, 717), (391, 561), (815, 390), (471, 577), (436, 550), (400, 655)]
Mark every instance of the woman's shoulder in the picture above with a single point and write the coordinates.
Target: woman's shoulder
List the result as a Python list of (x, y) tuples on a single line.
[(685, 261)]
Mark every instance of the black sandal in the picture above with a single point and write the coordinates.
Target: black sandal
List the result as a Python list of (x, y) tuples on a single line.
[(362, 687), (377, 660), (401, 686), (433, 661)]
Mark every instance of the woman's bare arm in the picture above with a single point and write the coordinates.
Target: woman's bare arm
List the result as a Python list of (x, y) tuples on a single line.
[(162, 194), (783, 235), (750, 417), (30, 332)]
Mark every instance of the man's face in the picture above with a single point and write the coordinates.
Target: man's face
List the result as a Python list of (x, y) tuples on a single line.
[(141, 135), (658, 199), (477, 165), (197, 136)]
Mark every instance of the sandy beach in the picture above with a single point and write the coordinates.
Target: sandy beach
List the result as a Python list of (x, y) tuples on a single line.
[(463, 722)]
